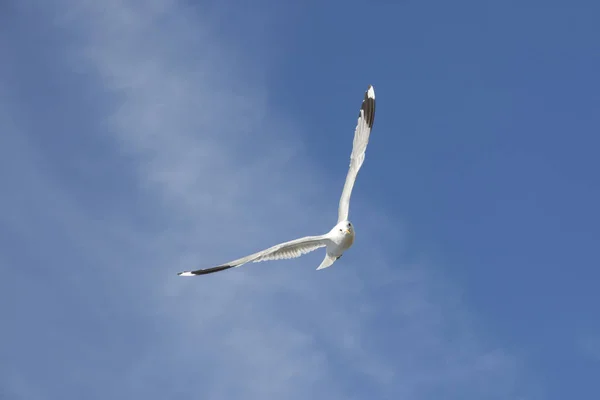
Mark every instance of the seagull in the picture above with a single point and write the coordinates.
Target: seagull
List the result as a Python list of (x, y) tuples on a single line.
[(341, 237)]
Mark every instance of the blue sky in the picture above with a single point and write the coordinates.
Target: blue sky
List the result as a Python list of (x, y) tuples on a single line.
[(142, 138)]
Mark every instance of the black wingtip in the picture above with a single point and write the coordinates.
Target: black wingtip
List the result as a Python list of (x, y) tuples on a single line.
[(367, 108), (370, 92), (205, 271)]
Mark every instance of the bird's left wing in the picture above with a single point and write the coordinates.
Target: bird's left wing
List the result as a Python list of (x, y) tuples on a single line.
[(366, 117), (292, 249)]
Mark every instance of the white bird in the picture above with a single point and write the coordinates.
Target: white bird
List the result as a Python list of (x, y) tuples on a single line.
[(341, 237)]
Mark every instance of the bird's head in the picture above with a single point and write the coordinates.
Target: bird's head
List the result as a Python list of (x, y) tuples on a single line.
[(346, 228)]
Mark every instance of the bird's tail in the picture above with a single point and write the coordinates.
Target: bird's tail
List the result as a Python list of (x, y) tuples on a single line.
[(327, 261)]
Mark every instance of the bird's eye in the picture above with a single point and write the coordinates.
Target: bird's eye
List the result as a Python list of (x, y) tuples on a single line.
[(340, 230)]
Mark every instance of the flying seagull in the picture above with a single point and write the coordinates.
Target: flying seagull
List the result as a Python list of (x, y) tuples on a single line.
[(341, 237)]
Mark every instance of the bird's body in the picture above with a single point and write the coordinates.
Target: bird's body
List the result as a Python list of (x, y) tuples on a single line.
[(341, 237)]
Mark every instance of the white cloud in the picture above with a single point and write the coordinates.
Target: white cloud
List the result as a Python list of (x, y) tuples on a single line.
[(219, 174)]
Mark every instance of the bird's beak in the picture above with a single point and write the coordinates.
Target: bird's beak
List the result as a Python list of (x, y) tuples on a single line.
[(347, 231)]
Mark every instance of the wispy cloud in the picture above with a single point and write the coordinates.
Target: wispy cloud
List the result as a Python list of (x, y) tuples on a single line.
[(210, 172)]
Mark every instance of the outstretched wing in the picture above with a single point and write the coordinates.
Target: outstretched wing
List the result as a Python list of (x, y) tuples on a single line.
[(292, 249), (366, 117)]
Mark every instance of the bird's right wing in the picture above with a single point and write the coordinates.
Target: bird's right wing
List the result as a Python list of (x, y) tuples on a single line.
[(292, 249), (366, 117)]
